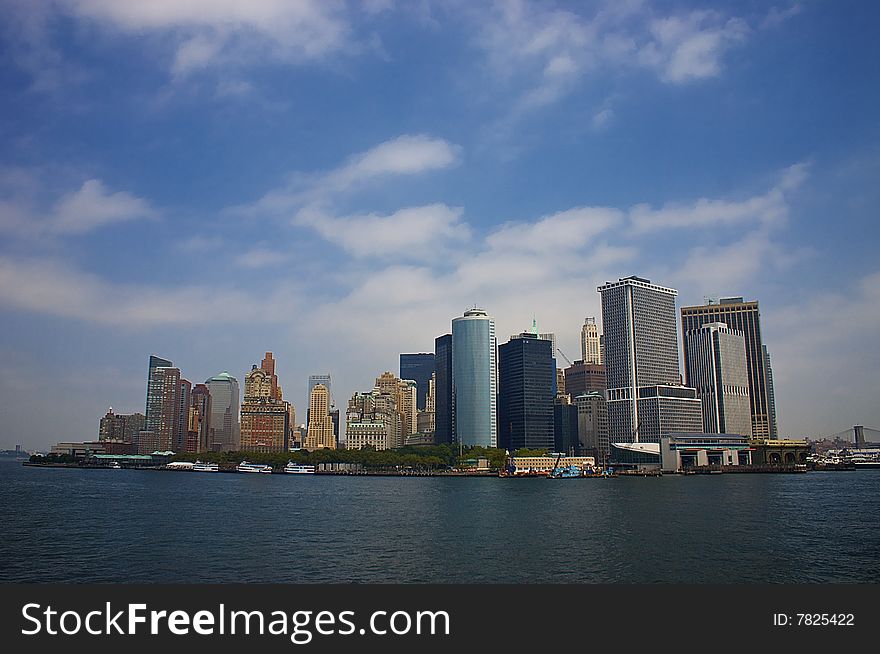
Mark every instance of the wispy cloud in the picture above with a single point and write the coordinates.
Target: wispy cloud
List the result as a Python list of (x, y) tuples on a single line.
[(409, 233), (227, 33), (542, 53), (402, 156), (49, 287), (690, 47), (85, 209), (766, 209), (260, 257)]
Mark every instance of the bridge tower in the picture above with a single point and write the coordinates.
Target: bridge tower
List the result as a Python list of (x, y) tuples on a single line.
[(859, 436)]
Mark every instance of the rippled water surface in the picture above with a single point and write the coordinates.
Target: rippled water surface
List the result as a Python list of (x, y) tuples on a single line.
[(71, 525)]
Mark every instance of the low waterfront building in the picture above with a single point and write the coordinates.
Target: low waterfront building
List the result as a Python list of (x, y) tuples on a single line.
[(636, 457), (126, 460), (80, 449), (684, 451), (543, 464), (779, 452)]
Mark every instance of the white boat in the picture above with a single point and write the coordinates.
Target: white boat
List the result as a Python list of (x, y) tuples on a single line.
[(199, 466), (244, 466), (115, 466), (298, 469)]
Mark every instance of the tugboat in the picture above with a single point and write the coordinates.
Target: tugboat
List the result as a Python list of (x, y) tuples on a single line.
[(244, 466)]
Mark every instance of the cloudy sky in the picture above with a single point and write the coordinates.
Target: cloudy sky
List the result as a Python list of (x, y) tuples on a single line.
[(335, 181)]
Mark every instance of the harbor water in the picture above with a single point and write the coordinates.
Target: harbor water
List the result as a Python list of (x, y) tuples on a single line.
[(132, 526)]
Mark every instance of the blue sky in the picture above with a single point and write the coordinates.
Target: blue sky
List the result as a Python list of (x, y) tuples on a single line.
[(335, 181)]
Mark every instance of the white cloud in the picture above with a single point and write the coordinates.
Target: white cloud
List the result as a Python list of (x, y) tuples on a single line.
[(602, 119), (88, 208), (566, 230), (776, 16), (404, 155), (412, 232), (260, 257), (542, 53), (48, 287), (401, 156), (94, 206), (770, 208), (690, 47), (229, 33)]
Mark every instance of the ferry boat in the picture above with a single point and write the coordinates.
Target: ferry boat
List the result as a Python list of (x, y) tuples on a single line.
[(244, 466), (866, 461), (199, 466), (298, 469)]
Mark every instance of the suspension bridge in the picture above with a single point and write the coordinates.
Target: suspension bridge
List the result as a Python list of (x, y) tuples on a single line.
[(858, 435)]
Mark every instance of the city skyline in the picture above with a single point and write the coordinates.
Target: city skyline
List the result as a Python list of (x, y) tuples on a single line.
[(334, 184)]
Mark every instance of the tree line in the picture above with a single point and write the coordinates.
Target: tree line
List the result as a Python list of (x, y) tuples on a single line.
[(443, 456)]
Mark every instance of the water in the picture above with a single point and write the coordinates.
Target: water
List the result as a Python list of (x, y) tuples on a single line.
[(68, 525)]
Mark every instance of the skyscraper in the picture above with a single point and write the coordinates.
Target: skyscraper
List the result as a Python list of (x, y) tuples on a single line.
[(372, 419), (565, 426), (443, 432), (267, 365), (474, 379), (314, 380), (525, 393), (645, 397), (715, 360), (225, 407), (121, 427), (163, 414), (184, 403), (426, 419), (418, 367), (592, 413), (746, 318), (591, 353), (320, 431), (265, 417), (201, 402), (771, 395), (403, 392), (583, 377)]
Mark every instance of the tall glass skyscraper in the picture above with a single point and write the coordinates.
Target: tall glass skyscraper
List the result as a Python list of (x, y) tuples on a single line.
[(155, 384), (418, 367), (225, 407), (526, 375), (163, 410), (645, 397), (443, 432), (474, 379)]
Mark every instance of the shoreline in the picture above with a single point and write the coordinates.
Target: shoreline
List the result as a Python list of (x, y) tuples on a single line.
[(459, 474)]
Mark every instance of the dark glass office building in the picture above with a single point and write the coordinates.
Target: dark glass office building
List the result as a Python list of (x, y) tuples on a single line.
[(526, 376), (565, 428), (443, 427), (419, 368)]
